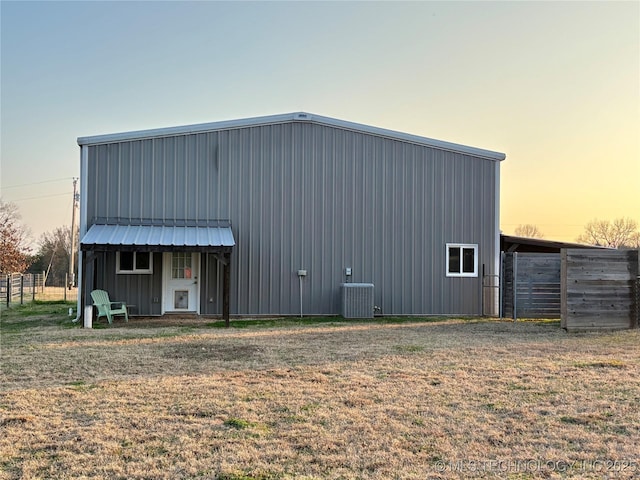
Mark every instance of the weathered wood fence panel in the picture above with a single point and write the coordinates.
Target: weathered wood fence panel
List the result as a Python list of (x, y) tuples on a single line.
[(507, 286), (531, 285), (599, 289)]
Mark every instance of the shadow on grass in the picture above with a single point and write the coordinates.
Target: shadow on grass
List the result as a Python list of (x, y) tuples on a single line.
[(37, 314), (56, 314), (330, 320)]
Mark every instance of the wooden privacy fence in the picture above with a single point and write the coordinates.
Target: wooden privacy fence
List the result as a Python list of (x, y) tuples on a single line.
[(531, 285), (600, 289)]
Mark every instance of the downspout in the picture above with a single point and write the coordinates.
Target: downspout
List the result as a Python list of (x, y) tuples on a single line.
[(301, 273), (497, 302), (84, 175)]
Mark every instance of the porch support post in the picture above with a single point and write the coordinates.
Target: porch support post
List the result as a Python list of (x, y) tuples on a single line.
[(226, 287), (87, 285)]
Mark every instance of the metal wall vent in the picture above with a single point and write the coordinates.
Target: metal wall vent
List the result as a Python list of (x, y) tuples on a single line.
[(357, 300)]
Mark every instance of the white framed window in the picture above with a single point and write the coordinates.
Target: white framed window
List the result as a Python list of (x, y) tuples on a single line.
[(462, 260), (134, 262)]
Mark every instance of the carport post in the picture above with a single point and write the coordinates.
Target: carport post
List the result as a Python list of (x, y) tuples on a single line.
[(515, 286), (637, 319), (226, 287)]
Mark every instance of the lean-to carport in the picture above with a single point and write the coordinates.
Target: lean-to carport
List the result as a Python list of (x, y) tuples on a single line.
[(214, 238)]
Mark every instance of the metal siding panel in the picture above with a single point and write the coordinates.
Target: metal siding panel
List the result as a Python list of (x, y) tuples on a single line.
[(378, 201), (113, 188), (321, 256), (92, 191), (146, 179), (101, 182), (222, 198), (192, 172), (265, 214), (158, 180), (282, 145), (211, 298), (122, 195), (138, 290), (302, 195), (167, 198), (130, 157), (181, 184), (206, 180)]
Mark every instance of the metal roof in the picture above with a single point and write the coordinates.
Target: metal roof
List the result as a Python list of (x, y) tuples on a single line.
[(511, 243), (287, 118), (157, 238)]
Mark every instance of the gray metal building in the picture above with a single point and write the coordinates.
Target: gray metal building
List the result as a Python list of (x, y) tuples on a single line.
[(225, 218)]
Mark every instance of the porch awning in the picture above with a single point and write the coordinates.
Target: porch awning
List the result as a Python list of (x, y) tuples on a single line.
[(158, 238)]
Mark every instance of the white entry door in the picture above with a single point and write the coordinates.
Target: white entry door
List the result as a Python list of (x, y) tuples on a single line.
[(181, 288)]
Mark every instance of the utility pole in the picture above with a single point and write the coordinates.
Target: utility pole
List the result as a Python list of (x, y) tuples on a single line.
[(72, 277)]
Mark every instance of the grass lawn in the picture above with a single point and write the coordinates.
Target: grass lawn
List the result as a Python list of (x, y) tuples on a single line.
[(325, 398)]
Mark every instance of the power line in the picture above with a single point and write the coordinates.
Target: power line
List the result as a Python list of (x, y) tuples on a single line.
[(41, 196), (36, 183)]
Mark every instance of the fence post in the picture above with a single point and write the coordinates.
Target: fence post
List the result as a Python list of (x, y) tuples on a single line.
[(33, 287), (637, 302), (515, 286), (8, 290), (638, 293), (500, 280), (21, 289)]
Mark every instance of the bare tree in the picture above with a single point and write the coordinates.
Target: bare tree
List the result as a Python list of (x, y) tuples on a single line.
[(619, 233), (53, 255), (529, 231), (14, 251)]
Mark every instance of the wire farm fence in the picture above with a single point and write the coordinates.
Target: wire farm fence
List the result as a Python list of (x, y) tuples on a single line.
[(18, 289)]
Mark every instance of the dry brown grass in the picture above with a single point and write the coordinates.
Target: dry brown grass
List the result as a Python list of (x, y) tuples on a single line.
[(380, 401), (56, 293)]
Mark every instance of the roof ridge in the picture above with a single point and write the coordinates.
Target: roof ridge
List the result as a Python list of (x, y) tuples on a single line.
[(287, 118)]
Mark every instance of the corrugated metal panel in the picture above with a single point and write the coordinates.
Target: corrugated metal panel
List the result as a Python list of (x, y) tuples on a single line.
[(143, 292), (158, 236), (307, 196)]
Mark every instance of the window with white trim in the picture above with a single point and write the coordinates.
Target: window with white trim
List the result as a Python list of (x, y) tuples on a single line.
[(134, 262), (462, 260)]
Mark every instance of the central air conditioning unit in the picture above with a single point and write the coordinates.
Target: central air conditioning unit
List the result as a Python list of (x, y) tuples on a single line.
[(357, 300)]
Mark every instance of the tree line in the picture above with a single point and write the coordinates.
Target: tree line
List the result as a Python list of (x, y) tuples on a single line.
[(54, 248), (52, 252), (619, 233)]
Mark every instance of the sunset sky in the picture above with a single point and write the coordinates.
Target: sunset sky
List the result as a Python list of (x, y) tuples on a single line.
[(554, 85)]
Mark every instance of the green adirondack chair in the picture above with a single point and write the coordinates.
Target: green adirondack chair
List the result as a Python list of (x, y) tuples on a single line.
[(106, 306)]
